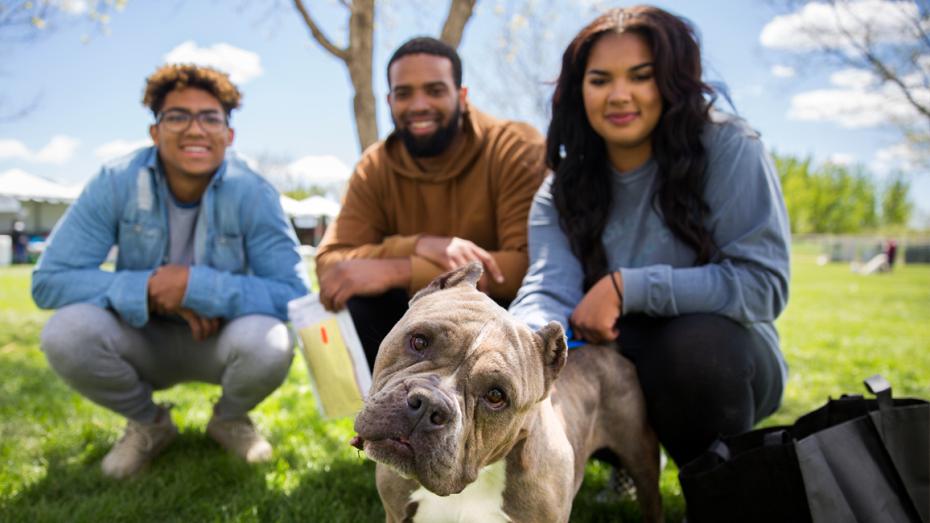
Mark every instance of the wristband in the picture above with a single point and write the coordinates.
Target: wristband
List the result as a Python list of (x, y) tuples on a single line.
[(617, 288)]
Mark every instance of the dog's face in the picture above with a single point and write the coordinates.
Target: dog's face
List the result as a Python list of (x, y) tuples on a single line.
[(453, 383)]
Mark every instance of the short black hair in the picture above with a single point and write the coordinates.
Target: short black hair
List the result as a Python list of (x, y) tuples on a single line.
[(428, 45)]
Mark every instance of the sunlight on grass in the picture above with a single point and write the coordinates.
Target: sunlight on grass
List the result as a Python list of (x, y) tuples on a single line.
[(838, 329)]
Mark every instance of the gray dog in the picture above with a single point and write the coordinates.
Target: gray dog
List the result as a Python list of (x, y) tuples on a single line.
[(468, 423)]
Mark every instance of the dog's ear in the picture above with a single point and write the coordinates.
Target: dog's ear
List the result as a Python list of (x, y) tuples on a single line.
[(554, 351), (465, 275)]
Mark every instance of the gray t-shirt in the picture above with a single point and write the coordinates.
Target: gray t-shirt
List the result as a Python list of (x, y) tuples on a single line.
[(748, 281), (182, 221)]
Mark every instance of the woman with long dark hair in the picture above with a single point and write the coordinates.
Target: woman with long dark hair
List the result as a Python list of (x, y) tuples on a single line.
[(663, 227)]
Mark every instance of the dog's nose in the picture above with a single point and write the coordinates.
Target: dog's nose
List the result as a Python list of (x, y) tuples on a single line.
[(427, 410)]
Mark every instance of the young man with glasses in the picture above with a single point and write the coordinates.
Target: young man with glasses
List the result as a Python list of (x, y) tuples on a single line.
[(206, 264)]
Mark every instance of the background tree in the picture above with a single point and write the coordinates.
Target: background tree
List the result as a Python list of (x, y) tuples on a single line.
[(530, 37), (896, 207), (885, 42), (838, 199), (357, 54)]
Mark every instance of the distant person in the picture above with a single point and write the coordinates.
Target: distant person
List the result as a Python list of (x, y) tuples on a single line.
[(20, 242), (663, 228), (450, 185), (891, 252), (206, 264)]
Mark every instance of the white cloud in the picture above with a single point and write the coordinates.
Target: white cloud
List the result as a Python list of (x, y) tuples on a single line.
[(321, 171), (854, 79), (820, 25), (241, 65), (73, 7), (858, 101), (783, 71), (58, 150), (842, 159), (13, 149), (117, 148), (898, 157)]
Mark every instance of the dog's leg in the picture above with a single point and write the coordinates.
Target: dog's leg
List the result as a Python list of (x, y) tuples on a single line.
[(639, 455)]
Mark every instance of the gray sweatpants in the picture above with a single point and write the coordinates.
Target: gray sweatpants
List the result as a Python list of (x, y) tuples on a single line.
[(118, 366)]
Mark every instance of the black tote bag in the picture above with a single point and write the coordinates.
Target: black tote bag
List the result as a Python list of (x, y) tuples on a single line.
[(854, 459)]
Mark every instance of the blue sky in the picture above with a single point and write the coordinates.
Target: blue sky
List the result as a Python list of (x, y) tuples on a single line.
[(297, 99)]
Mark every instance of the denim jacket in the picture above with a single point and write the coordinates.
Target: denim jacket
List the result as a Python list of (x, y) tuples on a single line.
[(246, 258)]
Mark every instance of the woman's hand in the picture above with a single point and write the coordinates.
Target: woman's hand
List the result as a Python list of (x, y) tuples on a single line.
[(595, 317)]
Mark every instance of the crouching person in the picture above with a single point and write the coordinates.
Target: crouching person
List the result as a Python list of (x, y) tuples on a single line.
[(205, 267)]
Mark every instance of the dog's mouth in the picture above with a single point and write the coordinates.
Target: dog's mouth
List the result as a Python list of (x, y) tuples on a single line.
[(395, 452), (400, 445)]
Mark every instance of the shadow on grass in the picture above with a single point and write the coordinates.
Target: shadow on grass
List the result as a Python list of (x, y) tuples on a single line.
[(193, 480), (29, 389)]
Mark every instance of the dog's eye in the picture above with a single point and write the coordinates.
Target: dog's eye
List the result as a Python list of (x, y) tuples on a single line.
[(419, 342), (495, 398)]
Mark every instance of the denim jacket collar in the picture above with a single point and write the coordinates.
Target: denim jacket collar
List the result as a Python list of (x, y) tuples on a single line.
[(203, 229)]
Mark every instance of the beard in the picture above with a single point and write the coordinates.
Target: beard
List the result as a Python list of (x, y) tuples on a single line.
[(434, 144)]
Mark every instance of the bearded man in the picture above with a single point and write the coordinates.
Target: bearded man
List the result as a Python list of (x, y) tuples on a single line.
[(448, 186)]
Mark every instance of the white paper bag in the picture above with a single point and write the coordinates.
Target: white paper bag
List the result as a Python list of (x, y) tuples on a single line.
[(339, 372)]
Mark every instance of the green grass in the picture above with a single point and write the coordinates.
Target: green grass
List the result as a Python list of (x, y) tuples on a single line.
[(838, 329)]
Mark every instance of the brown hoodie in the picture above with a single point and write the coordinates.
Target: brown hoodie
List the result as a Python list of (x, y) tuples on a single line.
[(479, 190)]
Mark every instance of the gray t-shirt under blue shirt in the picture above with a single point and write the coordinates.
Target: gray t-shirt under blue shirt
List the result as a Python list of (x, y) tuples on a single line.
[(747, 281), (182, 221)]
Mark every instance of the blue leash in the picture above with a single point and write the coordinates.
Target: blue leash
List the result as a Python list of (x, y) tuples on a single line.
[(573, 343)]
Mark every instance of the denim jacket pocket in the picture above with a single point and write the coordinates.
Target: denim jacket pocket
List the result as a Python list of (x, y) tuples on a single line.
[(228, 253), (140, 245)]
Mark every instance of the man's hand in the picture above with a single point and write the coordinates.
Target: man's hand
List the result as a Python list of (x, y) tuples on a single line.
[(595, 317), (201, 328), (362, 277), (452, 253), (166, 288)]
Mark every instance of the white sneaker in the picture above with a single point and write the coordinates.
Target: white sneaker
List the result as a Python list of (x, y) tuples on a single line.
[(140, 444), (239, 436)]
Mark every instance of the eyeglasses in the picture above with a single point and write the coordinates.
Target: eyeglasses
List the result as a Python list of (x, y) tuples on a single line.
[(179, 120)]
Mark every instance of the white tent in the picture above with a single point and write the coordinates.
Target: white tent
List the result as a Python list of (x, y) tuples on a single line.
[(314, 206), (291, 206), (9, 205), (23, 186), (319, 206), (38, 201)]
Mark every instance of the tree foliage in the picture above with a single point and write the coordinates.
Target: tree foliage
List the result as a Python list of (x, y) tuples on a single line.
[(23, 20), (28, 20), (837, 199), (896, 208)]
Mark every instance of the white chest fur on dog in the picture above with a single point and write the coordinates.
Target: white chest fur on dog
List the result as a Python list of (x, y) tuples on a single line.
[(481, 501)]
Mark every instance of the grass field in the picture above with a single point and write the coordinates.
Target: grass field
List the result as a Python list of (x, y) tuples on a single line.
[(838, 329)]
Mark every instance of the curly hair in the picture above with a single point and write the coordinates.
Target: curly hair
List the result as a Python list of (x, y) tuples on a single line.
[(577, 155), (172, 77)]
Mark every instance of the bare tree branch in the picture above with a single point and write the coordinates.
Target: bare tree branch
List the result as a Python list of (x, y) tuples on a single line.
[(318, 35), (358, 54), (460, 12), (866, 48)]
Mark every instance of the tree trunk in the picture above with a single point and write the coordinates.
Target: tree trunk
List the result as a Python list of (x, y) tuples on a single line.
[(358, 54), (359, 62), (459, 13)]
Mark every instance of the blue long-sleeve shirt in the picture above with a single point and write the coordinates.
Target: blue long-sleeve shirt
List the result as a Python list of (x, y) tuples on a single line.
[(747, 281), (246, 258)]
